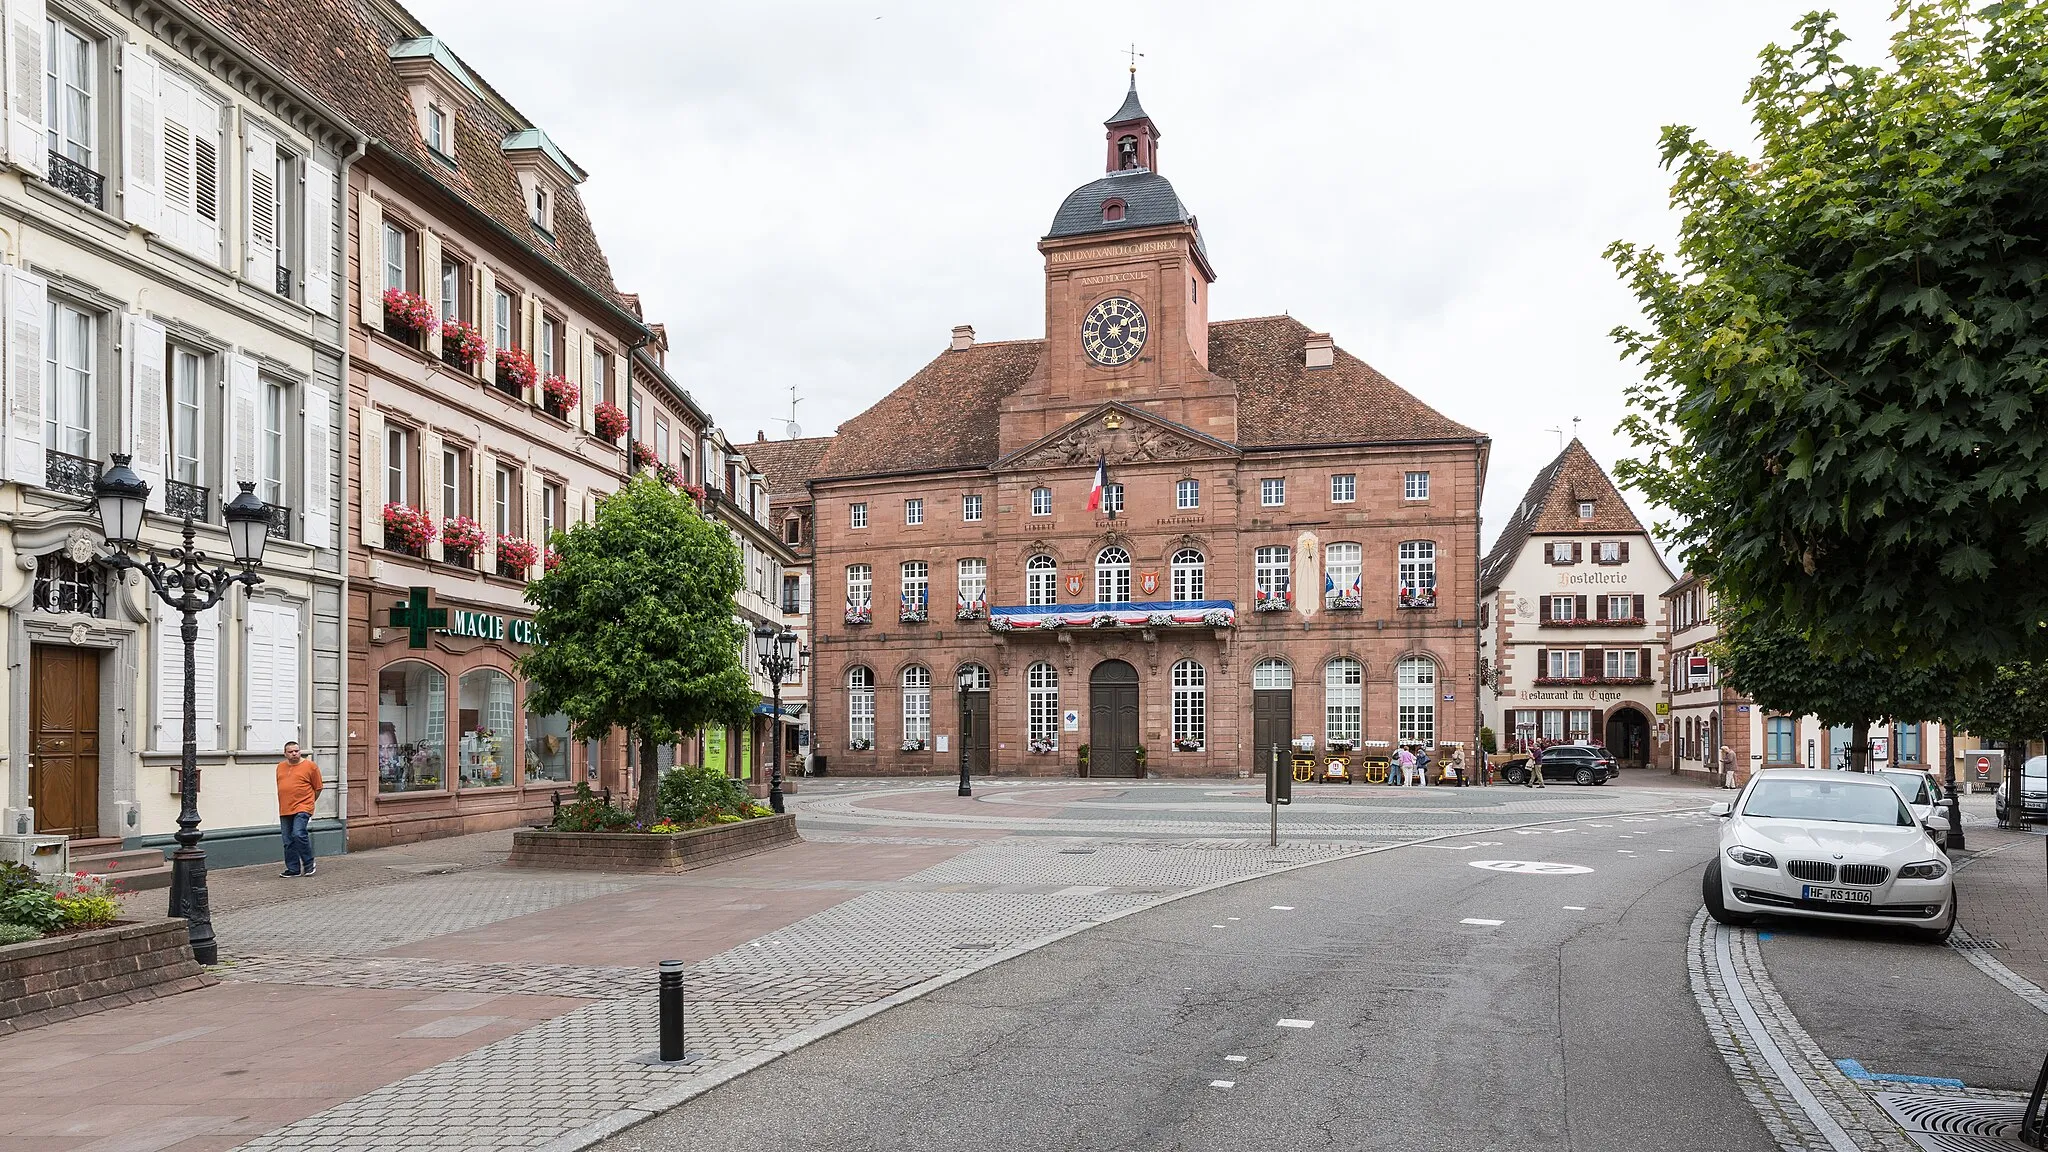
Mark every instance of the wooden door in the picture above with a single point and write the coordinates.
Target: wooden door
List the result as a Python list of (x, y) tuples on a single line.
[(977, 735), (1113, 720), (1272, 727), (64, 739)]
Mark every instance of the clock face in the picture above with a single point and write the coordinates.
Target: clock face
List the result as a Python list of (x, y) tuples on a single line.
[(1114, 331)]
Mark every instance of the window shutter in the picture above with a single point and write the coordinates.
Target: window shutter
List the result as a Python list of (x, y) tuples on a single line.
[(803, 592), (242, 388), (1639, 607), (1542, 662), (484, 482), (142, 352), (370, 261), (272, 666), (170, 680), (1578, 552), (430, 285), (142, 170), (531, 529), (28, 297), (1596, 662), (320, 469), (585, 351), (27, 144), (1643, 667), (1624, 551), (263, 221), (487, 319), (1578, 607), (174, 121), (205, 124), (1600, 606), (431, 480), (319, 263), (1543, 609), (529, 339), (371, 491)]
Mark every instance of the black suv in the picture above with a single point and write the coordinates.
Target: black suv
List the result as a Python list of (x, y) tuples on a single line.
[(1579, 763)]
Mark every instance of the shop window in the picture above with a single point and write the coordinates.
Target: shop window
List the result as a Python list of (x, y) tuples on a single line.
[(547, 748), (412, 727), (485, 723)]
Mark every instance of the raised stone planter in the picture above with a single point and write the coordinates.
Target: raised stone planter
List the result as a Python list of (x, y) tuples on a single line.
[(641, 852), (56, 978)]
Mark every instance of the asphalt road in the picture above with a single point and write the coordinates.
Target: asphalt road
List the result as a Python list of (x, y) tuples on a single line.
[(1559, 1027)]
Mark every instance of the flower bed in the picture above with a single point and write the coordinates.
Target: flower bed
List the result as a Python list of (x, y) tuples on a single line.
[(705, 817), (69, 975)]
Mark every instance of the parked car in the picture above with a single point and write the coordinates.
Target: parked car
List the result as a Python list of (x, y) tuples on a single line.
[(1830, 846), (1918, 788), (1579, 763), (2033, 791)]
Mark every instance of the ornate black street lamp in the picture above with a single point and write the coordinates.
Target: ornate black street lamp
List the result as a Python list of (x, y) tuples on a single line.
[(183, 581), (968, 683), (779, 656)]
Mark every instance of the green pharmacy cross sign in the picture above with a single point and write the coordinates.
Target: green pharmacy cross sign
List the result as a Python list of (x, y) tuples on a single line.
[(414, 615)]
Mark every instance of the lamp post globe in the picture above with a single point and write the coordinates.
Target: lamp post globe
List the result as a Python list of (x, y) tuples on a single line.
[(122, 496), (248, 521), (764, 644)]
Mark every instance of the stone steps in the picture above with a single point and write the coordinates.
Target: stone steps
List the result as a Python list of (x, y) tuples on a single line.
[(134, 869)]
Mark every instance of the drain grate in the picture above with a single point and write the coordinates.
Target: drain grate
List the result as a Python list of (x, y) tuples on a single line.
[(1077, 851), (1976, 945), (972, 947), (1956, 1123)]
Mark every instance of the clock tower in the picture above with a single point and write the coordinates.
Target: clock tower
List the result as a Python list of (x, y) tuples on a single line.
[(1127, 281)]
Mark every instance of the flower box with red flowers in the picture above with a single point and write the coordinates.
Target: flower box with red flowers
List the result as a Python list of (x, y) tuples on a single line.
[(694, 491), (1595, 622), (515, 371), (462, 345), (1417, 597), (668, 474), (551, 561), (407, 529), (461, 539), (610, 420), (1589, 681), (517, 552), (1272, 601), (407, 312), (643, 454), (559, 396)]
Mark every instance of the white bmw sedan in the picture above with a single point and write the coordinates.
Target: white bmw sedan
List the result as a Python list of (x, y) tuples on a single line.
[(1831, 846)]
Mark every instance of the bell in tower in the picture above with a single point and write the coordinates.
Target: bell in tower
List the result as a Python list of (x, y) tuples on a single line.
[(1133, 137)]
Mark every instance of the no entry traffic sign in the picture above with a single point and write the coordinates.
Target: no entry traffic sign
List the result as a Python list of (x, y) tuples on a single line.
[(1983, 765)]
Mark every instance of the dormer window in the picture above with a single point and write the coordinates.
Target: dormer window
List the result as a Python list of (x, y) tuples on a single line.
[(540, 207), (1112, 211), (438, 135), (1585, 509)]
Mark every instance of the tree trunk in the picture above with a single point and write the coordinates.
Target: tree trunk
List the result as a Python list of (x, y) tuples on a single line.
[(648, 809), (1859, 746), (2015, 768)]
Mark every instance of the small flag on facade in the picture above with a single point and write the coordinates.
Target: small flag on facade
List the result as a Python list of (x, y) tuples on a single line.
[(1101, 481)]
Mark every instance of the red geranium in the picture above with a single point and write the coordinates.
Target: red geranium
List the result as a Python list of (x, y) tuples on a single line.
[(407, 527), (464, 342), (518, 552), (561, 392), (515, 367), (408, 310), (611, 421)]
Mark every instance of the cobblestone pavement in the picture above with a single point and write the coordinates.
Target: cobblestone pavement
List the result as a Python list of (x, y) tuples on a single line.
[(2003, 887)]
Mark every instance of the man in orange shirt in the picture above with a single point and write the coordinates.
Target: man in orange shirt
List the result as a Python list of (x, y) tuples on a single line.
[(298, 786)]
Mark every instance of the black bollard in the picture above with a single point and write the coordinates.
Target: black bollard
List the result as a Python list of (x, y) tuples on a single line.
[(671, 1010)]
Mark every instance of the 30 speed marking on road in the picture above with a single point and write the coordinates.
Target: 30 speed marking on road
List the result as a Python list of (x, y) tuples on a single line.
[(1531, 867)]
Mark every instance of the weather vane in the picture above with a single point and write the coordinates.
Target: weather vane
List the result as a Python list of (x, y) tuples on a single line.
[(1134, 54)]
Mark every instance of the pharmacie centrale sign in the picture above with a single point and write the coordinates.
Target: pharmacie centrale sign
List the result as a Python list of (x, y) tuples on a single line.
[(490, 626)]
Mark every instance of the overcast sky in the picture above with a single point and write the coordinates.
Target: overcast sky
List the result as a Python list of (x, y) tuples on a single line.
[(812, 195)]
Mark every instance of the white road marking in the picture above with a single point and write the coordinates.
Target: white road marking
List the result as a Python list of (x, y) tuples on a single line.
[(1283, 908), (1531, 867), (1599, 825), (1667, 849), (1767, 1047), (1215, 925), (1222, 1083), (1296, 1024), (1575, 907), (1235, 1059), (1237, 917), (1482, 923)]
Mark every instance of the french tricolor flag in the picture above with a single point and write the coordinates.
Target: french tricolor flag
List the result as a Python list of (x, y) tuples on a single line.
[(1101, 478)]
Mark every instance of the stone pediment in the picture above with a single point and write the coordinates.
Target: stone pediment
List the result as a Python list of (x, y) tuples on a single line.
[(1119, 434)]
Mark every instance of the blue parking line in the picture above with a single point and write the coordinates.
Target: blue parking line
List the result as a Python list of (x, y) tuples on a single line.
[(1854, 1071)]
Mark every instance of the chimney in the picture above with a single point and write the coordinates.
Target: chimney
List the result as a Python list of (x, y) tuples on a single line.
[(963, 337), (1321, 353), (760, 437)]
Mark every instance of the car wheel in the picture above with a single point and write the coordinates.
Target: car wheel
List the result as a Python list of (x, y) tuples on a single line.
[(1710, 895), (1584, 777), (1940, 935), (1517, 776)]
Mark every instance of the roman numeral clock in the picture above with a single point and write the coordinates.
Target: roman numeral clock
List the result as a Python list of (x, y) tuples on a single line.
[(1113, 332)]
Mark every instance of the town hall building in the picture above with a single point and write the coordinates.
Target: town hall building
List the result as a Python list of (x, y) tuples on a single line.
[(1147, 543)]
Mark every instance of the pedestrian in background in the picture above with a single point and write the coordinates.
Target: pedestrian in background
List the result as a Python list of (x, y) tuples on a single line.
[(1727, 766), (1457, 767), (1534, 769), (298, 787), (1404, 764), (1418, 768)]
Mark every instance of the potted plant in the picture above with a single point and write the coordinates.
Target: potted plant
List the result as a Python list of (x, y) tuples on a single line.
[(515, 371), (462, 345), (1192, 746), (1138, 755), (1082, 754), (461, 539), (1040, 746), (407, 529), (643, 454), (610, 421), (860, 744), (559, 397), (516, 555), (407, 315)]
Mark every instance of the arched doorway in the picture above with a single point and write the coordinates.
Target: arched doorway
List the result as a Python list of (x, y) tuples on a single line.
[(1628, 737), (1113, 720)]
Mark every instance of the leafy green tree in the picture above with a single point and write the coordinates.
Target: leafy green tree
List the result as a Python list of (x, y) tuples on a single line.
[(637, 629), (1778, 668), (1845, 355), (2009, 707)]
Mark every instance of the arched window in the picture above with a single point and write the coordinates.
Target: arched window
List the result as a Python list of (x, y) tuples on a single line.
[(860, 708), (1343, 582), (1272, 675), (489, 757), (1415, 700), (917, 708), (1112, 211), (412, 727), (977, 677), (1042, 724), (1041, 581), (1343, 701), (1112, 576), (1190, 713), (1187, 575)]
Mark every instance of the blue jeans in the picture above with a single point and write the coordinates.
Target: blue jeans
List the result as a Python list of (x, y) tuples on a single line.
[(298, 845)]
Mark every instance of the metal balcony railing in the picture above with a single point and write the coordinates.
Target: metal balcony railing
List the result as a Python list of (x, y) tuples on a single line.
[(181, 499), (280, 521), (77, 181), (68, 473)]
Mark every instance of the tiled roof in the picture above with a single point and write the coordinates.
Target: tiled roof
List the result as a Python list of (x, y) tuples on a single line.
[(1551, 507), (338, 49), (1149, 201), (1130, 109), (788, 465), (947, 416)]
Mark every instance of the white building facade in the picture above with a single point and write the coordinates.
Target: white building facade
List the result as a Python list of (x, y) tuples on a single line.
[(168, 220), (1572, 619)]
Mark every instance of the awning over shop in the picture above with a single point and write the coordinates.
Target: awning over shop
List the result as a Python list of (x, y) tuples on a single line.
[(789, 711)]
